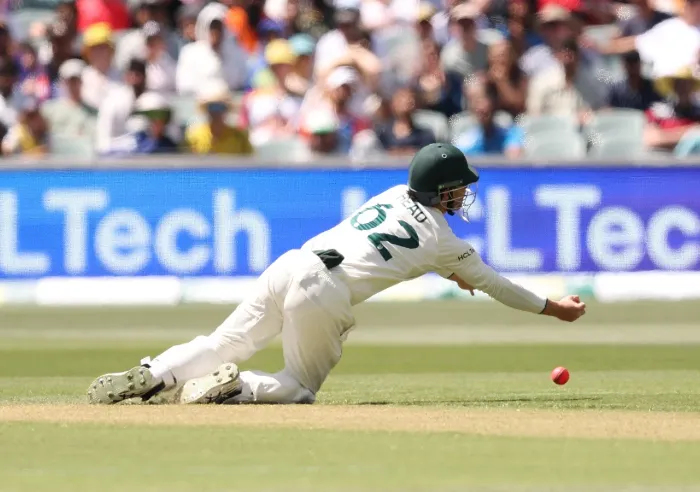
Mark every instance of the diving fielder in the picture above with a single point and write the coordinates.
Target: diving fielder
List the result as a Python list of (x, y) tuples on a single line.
[(307, 294)]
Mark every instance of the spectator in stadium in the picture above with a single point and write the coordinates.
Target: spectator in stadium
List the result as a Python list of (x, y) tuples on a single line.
[(284, 64), (505, 79), (9, 97), (29, 135), (555, 26), (299, 80), (635, 91), (34, 80), (133, 44), (566, 88), (59, 48), (290, 18), (216, 136), (99, 76), (671, 119), (357, 71), (495, 16), (186, 24), (115, 112), (442, 21), (401, 136), (424, 27), (465, 55), (323, 128), (438, 89), (643, 17), (335, 43), (153, 138), (160, 67), (215, 54), (336, 94), (669, 46), (67, 114), (268, 31), (270, 110), (520, 27), (488, 138)]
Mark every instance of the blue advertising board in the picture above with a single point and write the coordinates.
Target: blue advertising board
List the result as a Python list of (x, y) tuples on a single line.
[(236, 222)]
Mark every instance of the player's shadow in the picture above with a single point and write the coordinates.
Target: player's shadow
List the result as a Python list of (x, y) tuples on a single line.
[(484, 401)]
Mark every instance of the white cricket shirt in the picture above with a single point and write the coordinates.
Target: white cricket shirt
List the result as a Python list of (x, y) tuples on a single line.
[(391, 239)]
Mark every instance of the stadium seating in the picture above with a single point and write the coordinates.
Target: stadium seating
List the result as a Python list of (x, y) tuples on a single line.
[(283, 150), (547, 123), (555, 145), (618, 146), (629, 121), (461, 122), (72, 146)]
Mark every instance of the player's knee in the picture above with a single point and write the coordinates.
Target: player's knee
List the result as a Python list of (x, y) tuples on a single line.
[(297, 391), (281, 388)]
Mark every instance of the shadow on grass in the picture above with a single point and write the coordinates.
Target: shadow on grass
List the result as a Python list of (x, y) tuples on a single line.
[(544, 401)]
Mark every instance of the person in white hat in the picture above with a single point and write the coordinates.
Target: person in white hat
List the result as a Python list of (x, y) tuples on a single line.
[(153, 137), (465, 55), (68, 114), (215, 54), (323, 127), (338, 94)]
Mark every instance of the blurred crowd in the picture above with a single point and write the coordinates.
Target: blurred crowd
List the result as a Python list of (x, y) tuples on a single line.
[(347, 77)]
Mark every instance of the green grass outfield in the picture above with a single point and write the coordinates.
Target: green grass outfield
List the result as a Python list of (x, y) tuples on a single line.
[(428, 396)]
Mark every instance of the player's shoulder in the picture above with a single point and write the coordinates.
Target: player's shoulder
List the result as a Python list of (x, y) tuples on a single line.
[(393, 193), (428, 217)]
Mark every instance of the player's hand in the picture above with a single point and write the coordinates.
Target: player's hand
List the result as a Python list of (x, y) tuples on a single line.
[(462, 284), (569, 308)]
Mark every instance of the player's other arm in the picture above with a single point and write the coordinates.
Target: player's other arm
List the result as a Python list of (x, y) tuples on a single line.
[(470, 272)]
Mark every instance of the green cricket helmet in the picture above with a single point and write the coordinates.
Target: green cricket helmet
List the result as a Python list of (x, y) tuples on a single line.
[(438, 174)]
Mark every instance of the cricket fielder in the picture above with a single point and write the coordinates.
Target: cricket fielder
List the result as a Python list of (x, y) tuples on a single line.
[(307, 294)]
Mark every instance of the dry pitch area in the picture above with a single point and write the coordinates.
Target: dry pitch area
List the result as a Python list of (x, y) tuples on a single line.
[(419, 402), (591, 424)]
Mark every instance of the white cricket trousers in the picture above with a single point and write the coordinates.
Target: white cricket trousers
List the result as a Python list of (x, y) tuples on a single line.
[(296, 296)]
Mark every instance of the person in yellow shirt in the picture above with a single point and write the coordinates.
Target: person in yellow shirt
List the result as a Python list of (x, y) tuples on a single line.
[(29, 136), (216, 136)]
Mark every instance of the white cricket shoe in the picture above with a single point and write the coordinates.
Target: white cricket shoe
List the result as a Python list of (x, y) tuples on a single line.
[(115, 387), (212, 388)]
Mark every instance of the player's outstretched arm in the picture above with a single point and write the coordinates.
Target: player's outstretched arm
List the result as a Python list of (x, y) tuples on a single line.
[(569, 308), (470, 272)]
